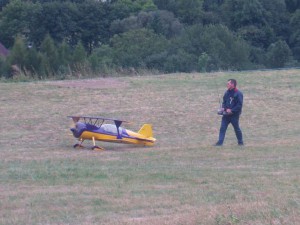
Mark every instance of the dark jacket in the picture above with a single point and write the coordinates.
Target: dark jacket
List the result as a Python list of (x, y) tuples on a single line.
[(233, 99)]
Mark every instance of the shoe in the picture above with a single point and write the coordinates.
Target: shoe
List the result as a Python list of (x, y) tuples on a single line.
[(241, 144), (218, 144)]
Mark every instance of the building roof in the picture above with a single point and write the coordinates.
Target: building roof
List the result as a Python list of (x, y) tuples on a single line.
[(3, 51)]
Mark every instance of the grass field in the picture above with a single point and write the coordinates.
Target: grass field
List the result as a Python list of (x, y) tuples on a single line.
[(183, 179)]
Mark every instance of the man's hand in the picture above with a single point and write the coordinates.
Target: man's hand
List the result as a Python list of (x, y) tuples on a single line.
[(229, 111)]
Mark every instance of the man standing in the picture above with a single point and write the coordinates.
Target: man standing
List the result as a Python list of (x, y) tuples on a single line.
[(231, 111)]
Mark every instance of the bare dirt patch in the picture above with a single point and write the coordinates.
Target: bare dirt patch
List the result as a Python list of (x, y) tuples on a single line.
[(91, 83)]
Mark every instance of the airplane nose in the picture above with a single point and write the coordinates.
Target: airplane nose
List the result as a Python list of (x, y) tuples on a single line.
[(75, 132)]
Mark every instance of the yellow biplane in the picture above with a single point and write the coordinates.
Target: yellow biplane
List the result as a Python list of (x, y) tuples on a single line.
[(97, 129)]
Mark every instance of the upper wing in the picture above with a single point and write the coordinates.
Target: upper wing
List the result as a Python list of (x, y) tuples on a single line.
[(99, 121), (77, 118)]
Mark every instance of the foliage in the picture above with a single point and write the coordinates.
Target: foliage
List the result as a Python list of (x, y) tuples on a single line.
[(215, 46), (188, 11), (4, 68), (278, 54), (294, 39), (133, 48), (18, 53), (101, 59), (181, 35), (93, 24), (203, 61), (160, 21), (64, 54), (16, 18), (292, 5), (50, 56), (79, 57), (57, 19), (3, 3)]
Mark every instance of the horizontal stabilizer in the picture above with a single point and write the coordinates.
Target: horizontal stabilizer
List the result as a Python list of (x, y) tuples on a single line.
[(146, 130)]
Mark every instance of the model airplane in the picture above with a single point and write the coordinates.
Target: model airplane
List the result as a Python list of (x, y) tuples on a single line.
[(94, 128)]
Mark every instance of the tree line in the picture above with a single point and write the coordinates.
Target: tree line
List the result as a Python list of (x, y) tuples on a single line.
[(53, 38)]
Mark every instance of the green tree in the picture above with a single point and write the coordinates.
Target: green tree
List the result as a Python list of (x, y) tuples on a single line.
[(93, 23), (79, 58), (292, 5), (212, 11), (133, 48), (180, 61), (203, 61), (15, 19), (257, 37), (257, 57), (17, 55), (124, 8), (33, 61), (4, 68), (250, 20), (160, 21), (59, 20), (277, 18), (101, 59), (294, 39), (50, 58), (3, 3), (188, 11), (64, 54), (239, 13), (224, 49), (148, 5), (278, 54)]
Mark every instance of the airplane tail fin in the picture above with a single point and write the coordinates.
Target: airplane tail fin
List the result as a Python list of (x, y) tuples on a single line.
[(146, 130)]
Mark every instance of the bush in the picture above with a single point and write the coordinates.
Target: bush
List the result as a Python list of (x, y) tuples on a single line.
[(278, 54), (4, 68), (133, 48)]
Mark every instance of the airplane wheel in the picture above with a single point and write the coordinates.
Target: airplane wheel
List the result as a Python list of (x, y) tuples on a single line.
[(78, 146), (97, 148)]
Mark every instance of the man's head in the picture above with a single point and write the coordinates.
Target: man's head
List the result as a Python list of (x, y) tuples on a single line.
[(231, 84)]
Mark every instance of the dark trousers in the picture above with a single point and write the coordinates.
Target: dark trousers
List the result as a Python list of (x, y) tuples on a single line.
[(234, 120)]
